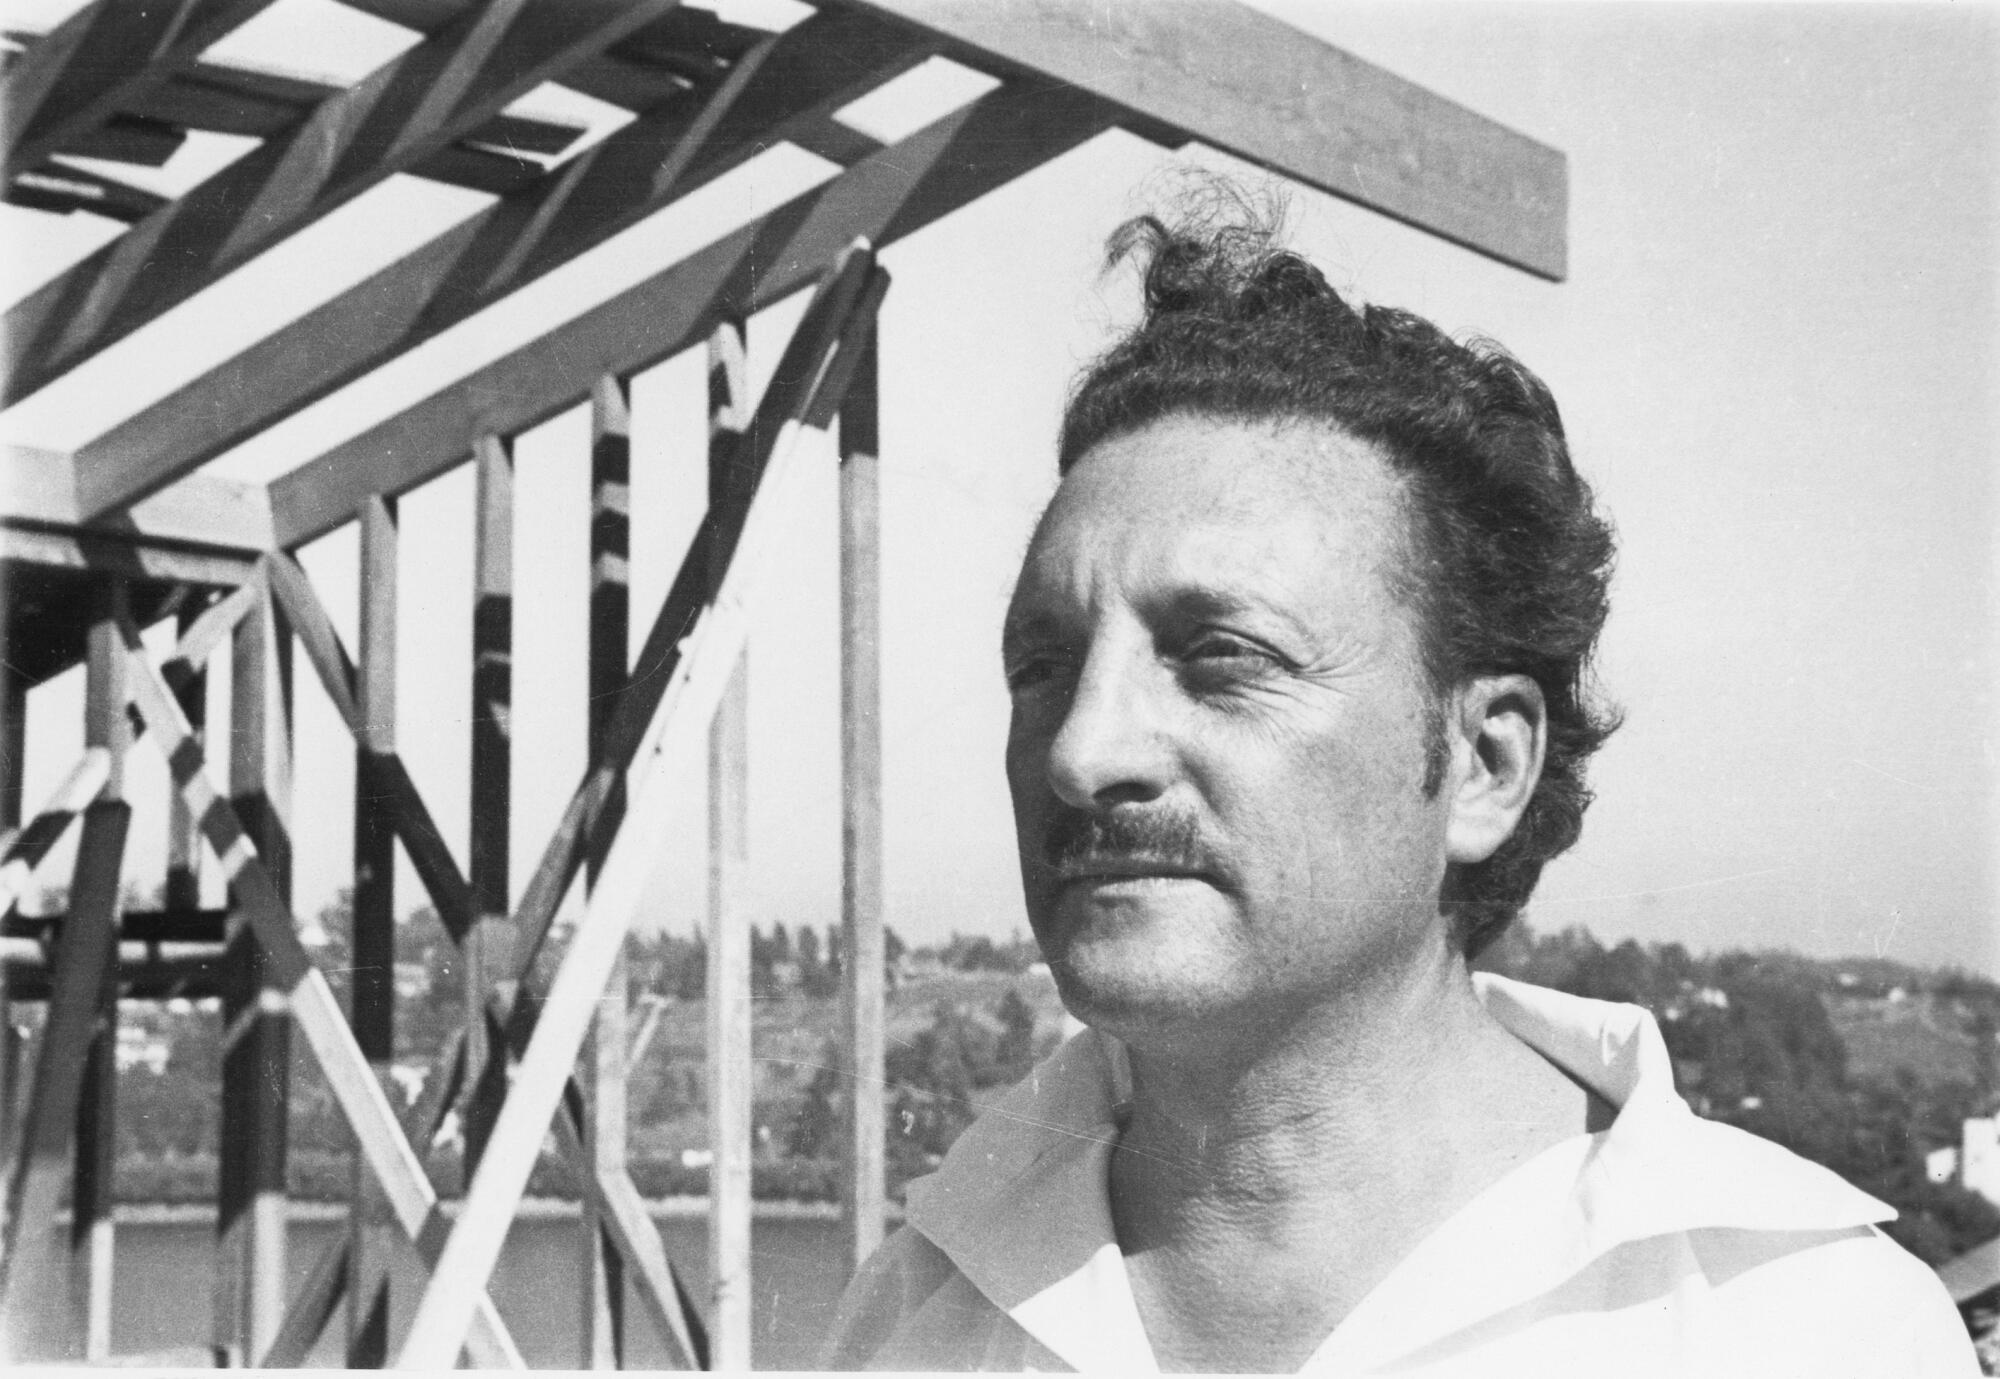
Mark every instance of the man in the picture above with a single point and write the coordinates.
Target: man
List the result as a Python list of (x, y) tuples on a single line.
[(1298, 662)]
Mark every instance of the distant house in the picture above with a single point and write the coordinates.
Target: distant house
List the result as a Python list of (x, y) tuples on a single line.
[(1979, 1158), (141, 1048)]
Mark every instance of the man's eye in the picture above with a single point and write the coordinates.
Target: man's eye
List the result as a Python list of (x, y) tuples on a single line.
[(1215, 647)]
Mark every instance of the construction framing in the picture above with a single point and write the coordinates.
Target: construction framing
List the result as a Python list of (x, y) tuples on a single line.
[(128, 532)]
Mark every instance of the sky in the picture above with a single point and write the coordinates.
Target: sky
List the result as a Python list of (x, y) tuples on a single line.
[(1775, 354)]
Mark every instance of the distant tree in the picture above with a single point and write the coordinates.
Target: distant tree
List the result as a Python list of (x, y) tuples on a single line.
[(1014, 1051), (893, 947)]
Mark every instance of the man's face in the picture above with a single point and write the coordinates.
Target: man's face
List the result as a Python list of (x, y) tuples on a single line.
[(1218, 740)]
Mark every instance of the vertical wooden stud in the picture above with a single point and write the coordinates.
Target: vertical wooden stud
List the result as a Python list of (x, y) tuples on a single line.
[(45, 1275), (183, 890), (862, 1175), (488, 951), (92, 1234), (730, 1015), (604, 1059), (373, 1015), (13, 752), (256, 1065)]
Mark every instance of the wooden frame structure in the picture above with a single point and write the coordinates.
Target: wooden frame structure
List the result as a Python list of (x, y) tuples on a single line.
[(128, 531)]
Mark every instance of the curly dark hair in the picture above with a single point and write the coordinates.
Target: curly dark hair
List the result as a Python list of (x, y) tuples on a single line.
[(1508, 563)]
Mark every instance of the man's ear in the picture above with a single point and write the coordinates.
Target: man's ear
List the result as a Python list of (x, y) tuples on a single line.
[(1499, 732)]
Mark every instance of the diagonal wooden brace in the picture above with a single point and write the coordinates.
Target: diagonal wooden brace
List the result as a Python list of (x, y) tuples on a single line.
[(701, 673), (22, 850), (315, 1009)]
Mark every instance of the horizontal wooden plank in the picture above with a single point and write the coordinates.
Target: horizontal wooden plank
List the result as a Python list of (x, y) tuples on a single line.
[(479, 169), (135, 560), (1254, 86), (639, 73), (95, 62), (420, 101), (128, 139), (134, 926), (905, 187), (62, 190), (797, 81), (38, 489)]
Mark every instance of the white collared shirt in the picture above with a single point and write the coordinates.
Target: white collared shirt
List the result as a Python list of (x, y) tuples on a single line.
[(1662, 1245)]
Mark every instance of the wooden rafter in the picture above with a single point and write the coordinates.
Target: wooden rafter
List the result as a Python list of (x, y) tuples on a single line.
[(227, 98), (96, 63), (898, 191), (1255, 86), (416, 104), (784, 87)]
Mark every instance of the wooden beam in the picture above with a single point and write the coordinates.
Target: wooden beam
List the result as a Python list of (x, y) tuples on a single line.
[(487, 945), (794, 81), (795, 388), (92, 1236), (372, 991), (250, 1218), (200, 513), (132, 562), (227, 98), (731, 1071), (315, 1010), (417, 103), (183, 886), (905, 187), (61, 189), (312, 1308), (602, 1329), (635, 73), (862, 1179), (13, 770), (132, 139), (1256, 87), (430, 857), (35, 1307), (98, 61), (25, 848), (687, 709)]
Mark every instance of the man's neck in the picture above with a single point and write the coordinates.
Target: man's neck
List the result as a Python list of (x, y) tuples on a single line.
[(1299, 1167)]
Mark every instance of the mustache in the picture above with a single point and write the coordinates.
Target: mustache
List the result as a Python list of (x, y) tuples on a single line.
[(1074, 837)]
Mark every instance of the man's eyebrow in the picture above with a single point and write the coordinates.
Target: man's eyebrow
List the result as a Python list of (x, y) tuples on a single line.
[(1200, 601)]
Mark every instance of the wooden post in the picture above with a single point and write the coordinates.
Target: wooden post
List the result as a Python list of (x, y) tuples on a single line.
[(183, 834), (730, 1017), (862, 1176), (92, 1238), (488, 953), (373, 1013), (256, 1064), (13, 750), (604, 1061), (43, 1276)]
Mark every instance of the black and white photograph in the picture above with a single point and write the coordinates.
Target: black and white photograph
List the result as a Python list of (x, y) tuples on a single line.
[(1204, 686)]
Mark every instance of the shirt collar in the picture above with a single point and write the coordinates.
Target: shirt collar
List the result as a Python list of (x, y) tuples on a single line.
[(1021, 1206)]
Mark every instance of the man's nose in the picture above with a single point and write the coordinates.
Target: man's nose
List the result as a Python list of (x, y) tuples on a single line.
[(1109, 748)]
